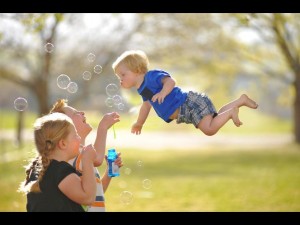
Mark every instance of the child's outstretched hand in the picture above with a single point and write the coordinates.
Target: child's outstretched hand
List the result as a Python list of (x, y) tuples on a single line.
[(109, 119), (158, 97), (136, 128)]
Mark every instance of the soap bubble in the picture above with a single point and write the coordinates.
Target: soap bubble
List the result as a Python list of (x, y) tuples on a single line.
[(49, 47), (98, 69), (109, 102), (117, 99), (20, 104), (111, 90), (63, 81), (72, 87), (139, 163), (127, 171), (87, 75), (121, 106), (91, 57), (126, 197), (147, 184)]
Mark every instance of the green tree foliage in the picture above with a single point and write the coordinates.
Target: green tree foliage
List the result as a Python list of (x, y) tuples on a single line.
[(280, 31), (26, 65)]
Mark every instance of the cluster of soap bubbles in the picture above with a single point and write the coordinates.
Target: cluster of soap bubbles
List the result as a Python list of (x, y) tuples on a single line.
[(20, 104), (126, 197), (113, 99), (87, 75), (64, 82)]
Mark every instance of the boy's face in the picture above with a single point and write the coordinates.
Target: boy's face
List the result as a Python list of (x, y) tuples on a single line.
[(128, 79)]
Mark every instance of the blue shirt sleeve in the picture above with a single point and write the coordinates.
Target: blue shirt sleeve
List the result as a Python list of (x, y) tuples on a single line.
[(155, 80)]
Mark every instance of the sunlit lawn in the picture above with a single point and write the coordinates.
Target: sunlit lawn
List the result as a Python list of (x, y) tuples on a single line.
[(198, 180), (204, 180)]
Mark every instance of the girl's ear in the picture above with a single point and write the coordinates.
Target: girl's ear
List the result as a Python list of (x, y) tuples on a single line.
[(62, 144)]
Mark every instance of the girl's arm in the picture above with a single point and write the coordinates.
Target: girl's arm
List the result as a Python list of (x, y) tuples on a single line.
[(100, 143), (143, 114), (168, 85), (82, 189)]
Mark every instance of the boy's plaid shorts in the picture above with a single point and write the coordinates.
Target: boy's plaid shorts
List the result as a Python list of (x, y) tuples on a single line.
[(196, 106)]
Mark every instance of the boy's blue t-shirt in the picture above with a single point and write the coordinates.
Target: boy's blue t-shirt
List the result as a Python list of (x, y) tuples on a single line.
[(151, 85)]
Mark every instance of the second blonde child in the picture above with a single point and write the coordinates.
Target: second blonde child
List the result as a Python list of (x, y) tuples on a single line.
[(157, 89)]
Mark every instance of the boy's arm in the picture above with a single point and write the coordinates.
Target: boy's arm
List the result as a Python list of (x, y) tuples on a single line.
[(143, 114), (100, 142), (168, 85)]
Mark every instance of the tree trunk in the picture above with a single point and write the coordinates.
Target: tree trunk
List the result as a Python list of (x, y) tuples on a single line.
[(297, 109), (292, 59), (42, 93), (20, 126)]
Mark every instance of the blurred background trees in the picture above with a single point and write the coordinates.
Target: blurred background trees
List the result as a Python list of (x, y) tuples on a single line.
[(221, 54)]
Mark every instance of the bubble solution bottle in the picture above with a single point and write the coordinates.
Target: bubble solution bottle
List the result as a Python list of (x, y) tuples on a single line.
[(113, 169)]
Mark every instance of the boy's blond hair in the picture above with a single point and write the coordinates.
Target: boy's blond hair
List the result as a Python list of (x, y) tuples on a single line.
[(136, 60)]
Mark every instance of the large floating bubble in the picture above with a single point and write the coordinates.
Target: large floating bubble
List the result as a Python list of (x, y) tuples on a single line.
[(72, 87), (63, 81), (20, 104), (111, 90)]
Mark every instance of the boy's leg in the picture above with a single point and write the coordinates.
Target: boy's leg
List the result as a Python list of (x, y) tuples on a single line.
[(243, 100), (210, 126)]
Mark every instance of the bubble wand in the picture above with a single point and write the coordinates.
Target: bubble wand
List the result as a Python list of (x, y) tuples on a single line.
[(115, 136)]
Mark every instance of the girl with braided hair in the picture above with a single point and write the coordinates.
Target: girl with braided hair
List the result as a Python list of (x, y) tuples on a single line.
[(58, 186)]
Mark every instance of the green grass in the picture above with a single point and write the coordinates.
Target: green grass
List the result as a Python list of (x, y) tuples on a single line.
[(204, 180), (9, 119)]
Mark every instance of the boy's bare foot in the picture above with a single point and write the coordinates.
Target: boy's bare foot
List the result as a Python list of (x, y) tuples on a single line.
[(235, 117), (248, 101)]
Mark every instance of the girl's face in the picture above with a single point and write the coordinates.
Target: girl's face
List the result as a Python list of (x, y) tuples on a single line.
[(128, 79), (79, 120), (73, 141)]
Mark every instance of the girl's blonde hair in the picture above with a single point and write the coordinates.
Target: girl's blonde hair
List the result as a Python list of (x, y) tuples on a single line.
[(48, 131), (59, 105), (136, 61)]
